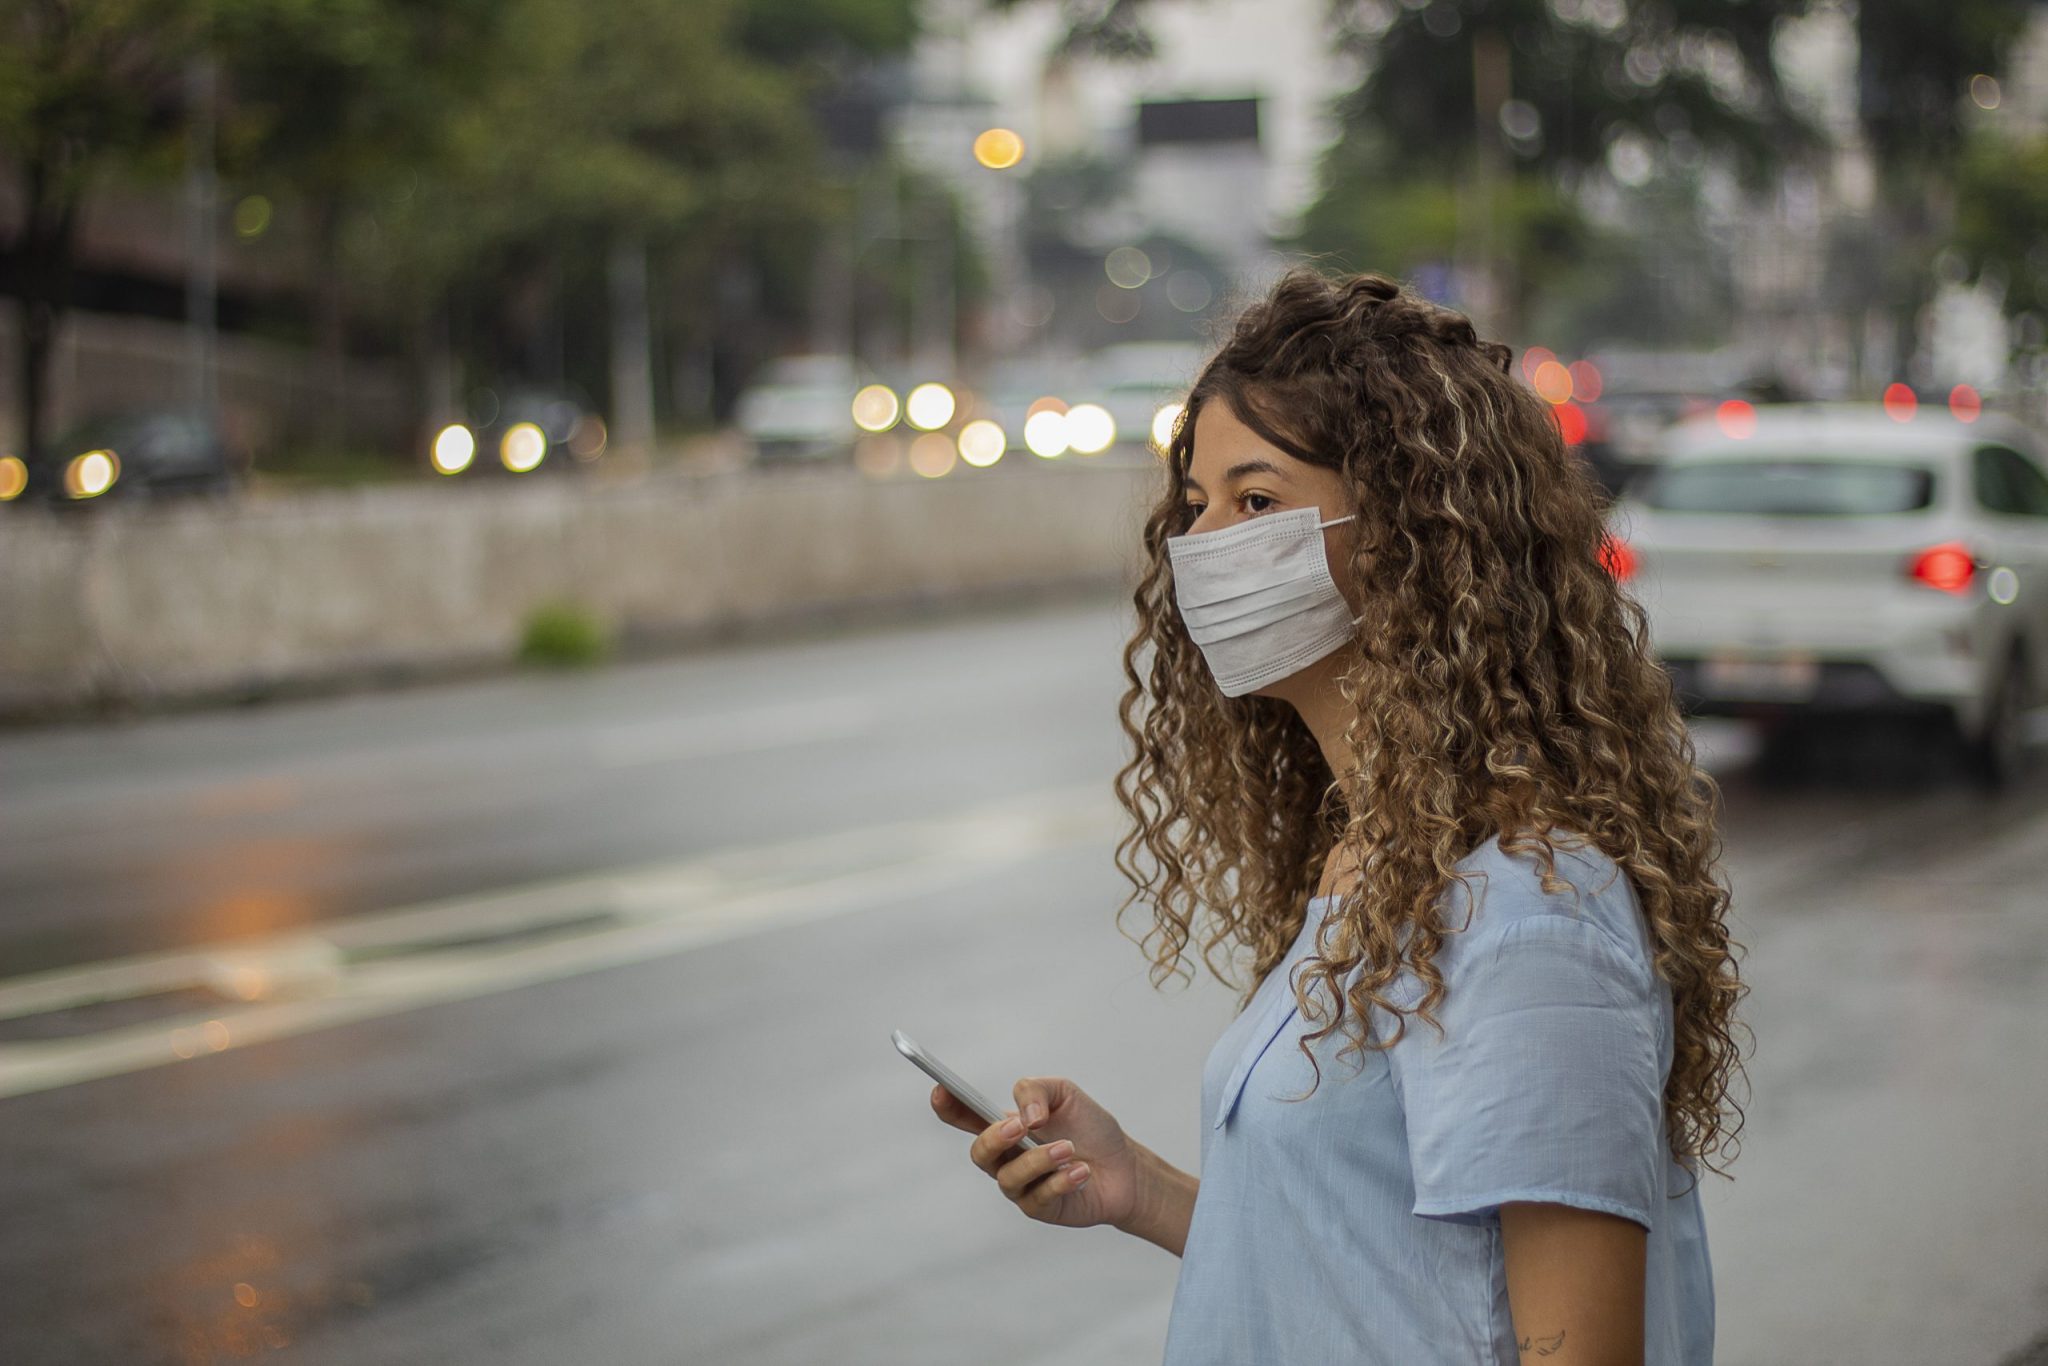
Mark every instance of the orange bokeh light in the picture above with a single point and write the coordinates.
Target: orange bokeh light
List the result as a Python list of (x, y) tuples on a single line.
[(1966, 403), (1900, 402), (1553, 382)]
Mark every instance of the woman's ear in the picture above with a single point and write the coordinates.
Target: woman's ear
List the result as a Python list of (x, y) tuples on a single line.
[(1343, 547)]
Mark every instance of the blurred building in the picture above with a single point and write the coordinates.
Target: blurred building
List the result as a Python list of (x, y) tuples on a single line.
[(124, 345), (1802, 257), (1201, 174), (1213, 139)]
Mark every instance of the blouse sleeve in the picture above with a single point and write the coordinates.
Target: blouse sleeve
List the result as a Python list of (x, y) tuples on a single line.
[(1547, 1083)]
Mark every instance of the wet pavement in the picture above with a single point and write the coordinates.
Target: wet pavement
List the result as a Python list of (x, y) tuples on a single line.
[(544, 1020)]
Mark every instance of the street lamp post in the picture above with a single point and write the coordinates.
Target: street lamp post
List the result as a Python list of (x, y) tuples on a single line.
[(202, 262)]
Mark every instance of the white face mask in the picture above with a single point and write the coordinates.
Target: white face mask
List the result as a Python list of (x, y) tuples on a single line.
[(1258, 597)]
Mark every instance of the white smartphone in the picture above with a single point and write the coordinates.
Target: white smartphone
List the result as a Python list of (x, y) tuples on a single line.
[(948, 1078)]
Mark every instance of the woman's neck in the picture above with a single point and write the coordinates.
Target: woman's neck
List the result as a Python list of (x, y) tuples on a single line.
[(1314, 696)]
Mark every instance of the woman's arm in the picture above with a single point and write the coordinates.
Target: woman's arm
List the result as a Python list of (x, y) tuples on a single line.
[(1575, 1284), (1166, 1202)]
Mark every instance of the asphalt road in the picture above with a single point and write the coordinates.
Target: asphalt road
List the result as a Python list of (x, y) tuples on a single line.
[(545, 1020)]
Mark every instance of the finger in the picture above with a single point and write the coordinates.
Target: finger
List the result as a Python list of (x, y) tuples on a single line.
[(1061, 1183), (994, 1143), (947, 1107), (1016, 1177)]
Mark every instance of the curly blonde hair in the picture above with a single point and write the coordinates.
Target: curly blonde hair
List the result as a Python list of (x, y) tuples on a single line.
[(1500, 684)]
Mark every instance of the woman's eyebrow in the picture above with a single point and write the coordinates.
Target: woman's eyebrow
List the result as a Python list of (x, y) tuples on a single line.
[(1239, 471)]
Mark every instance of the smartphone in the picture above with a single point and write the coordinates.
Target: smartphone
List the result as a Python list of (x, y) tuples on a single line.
[(948, 1078)]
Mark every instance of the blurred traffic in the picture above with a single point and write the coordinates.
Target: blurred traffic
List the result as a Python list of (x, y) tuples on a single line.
[(668, 474), (1862, 558)]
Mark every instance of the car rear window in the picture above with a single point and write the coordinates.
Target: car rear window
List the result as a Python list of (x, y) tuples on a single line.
[(1791, 488)]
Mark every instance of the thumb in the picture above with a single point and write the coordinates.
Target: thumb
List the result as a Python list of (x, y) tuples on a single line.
[(1038, 1097)]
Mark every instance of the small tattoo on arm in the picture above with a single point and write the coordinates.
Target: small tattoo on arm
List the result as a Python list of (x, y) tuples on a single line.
[(1543, 1347)]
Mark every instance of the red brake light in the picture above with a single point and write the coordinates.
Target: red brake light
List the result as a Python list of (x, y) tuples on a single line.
[(1617, 559), (1949, 566), (1571, 422), (1737, 418)]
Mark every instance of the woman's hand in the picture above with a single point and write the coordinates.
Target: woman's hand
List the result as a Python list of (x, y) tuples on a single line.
[(1084, 1171)]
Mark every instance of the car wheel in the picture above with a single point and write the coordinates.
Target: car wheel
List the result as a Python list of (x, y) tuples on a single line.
[(1998, 750)]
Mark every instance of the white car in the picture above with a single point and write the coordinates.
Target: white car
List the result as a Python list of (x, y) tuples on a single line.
[(1134, 380), (1827, 557), (799, 409)]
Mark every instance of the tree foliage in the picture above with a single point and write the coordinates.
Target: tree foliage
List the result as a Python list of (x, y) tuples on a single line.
[(2002, 217), (85, 85), (427, 143), (1915, 59), (1682, 76)]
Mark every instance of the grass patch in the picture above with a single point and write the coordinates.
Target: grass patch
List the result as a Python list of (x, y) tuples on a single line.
[(564, 635)]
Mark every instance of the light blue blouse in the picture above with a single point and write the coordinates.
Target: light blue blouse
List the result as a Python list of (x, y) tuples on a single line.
[(1362, 1226)]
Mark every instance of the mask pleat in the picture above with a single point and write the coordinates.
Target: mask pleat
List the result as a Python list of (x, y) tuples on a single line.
[(1229, 614), (1258, 598)]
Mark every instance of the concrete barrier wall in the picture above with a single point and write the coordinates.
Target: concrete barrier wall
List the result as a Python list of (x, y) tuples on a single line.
[(140, 605)]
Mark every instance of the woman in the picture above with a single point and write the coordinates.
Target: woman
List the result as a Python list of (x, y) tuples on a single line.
[(1400, 739)]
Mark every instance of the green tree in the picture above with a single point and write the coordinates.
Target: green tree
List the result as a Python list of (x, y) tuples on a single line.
[(1369, 216), (686, 131), (86, 86), (333, 102), (1478, 118), (1677, 74), (2002, 216), (1915, 61)]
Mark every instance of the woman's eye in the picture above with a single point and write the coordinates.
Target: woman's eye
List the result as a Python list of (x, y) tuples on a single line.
[(1192, 511), (1251, 498)]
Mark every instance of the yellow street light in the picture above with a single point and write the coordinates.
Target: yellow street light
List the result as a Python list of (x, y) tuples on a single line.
[(1045, 433), (998, 149), (454, 448), (523, 447), (1090, 428), (982, 443), (91, 474), (875, 408), (1163, 423), (929, 406)]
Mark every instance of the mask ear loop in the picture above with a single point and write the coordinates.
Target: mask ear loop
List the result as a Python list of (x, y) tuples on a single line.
[(1347, 517)]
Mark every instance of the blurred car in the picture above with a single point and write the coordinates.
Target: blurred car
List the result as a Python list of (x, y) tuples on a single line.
[(1643, 393), (1825, 557), (1623, 427), (539, 429), (798, 409), (141, 454), (1134, 380), (1016, 387)]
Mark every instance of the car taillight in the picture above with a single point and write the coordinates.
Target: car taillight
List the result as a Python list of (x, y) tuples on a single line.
[(1617, 559), (1949, 566)]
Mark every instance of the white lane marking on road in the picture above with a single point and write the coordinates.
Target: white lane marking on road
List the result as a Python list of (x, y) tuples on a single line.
[(399, 960), (396, 960), (772, 727)]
